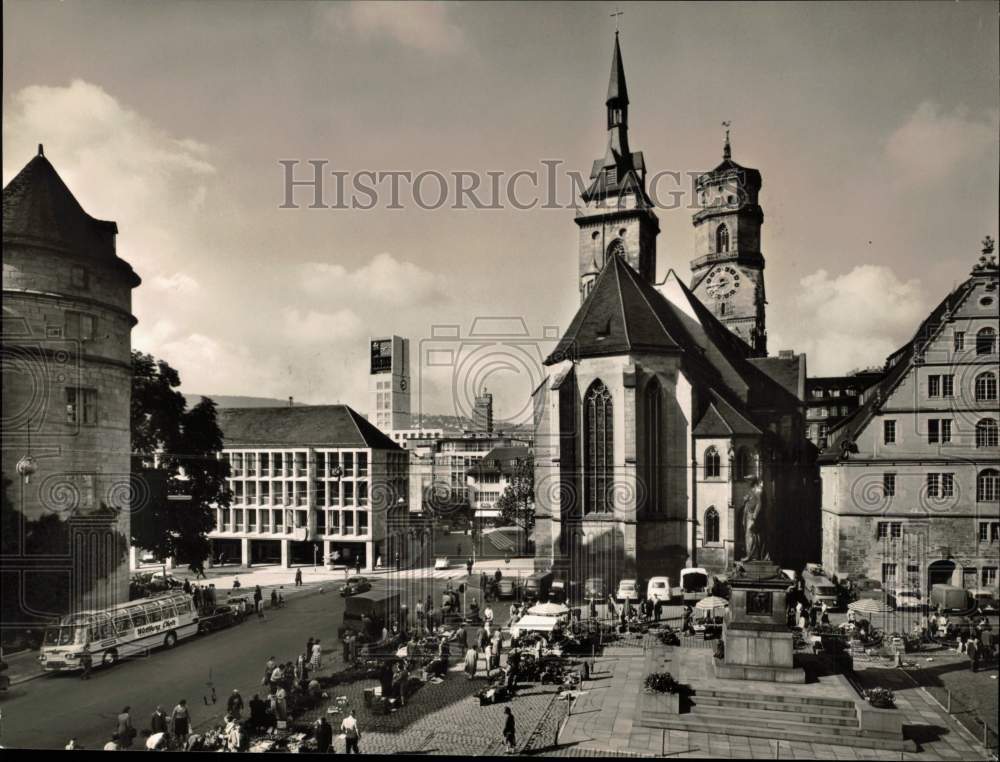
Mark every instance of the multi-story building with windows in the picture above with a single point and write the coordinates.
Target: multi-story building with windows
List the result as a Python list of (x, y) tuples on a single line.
[(830, 399), (439, 468), (489, 479), (911, 482), (309, 483)]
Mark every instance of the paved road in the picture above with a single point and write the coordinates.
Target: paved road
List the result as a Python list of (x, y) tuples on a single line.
[(45, 713)]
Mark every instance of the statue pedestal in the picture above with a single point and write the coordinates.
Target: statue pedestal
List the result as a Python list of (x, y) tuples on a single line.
[(759, 645)]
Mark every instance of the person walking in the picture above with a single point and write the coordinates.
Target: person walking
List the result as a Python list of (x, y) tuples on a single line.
[(298, 578), (468, 566), (187, 586), (258, 601), (158, 722), (972, 649), (323, 733), (471, 657), (509, 731), (86, 661), (317, 656), (352, 733), (309, 647), (125, 730), (181, 720), (274, 597), (235, 704)]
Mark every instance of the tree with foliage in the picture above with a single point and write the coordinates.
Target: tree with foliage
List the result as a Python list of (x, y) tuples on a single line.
[(175, 451), (517, 503)]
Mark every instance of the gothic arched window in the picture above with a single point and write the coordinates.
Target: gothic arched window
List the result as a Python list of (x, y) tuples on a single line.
[(986, 386), (713, 464), (654, 421), (986, 341), (711, 525), (598, 448), (986, 433), (617, 246), (721, 239), (988, 486)]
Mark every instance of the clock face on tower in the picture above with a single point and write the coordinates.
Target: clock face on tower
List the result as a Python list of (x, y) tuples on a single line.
[(723, 282)]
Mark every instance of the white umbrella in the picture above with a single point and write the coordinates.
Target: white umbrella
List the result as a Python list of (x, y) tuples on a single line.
[(870, 606), (711, 602), (549, 609)]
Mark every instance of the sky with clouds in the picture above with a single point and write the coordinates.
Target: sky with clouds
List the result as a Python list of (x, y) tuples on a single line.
[(874, 126)]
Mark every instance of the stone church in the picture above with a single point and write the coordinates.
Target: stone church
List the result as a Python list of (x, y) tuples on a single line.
[(660, 405)]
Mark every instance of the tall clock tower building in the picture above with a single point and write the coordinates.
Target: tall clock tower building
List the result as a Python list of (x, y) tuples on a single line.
[(728, 268)]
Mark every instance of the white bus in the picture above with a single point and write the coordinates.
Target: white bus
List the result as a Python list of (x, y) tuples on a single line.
[(120, 631)]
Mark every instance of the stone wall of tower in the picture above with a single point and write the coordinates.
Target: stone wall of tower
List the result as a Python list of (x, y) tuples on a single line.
[(67, 325), (636, 230)]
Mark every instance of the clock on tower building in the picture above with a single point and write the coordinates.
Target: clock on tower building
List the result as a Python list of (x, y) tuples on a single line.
[(728, 268), (617, 215)]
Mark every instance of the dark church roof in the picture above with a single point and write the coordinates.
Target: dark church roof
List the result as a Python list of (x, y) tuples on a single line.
[(308, 425), (622, 314), (38, 207), (722, 420)]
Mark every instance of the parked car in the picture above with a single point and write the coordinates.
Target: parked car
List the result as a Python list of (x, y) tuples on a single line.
[(536, 587), (593, 589), (507, 587), (217, 619), (628, 590), (658, 589), (696, 583), (441, 563), (240, 604), (904, 598), (986, 600), (355, 585)]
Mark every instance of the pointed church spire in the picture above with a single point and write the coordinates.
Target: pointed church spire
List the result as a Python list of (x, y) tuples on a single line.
[(727, 150), (617, 91)]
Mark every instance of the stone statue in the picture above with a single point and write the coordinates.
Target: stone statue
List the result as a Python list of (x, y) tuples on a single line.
[(753, 523)]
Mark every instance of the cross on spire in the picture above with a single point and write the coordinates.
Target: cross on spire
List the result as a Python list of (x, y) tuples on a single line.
[(617, 16), (727, 151)]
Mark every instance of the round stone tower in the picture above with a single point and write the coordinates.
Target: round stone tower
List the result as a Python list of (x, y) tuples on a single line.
[(67, 321)]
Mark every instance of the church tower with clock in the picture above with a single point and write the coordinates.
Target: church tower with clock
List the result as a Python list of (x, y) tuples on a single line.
[(617, 215), (728, 268)]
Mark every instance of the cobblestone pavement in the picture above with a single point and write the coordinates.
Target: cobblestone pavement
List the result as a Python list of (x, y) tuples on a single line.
[(438, 719)]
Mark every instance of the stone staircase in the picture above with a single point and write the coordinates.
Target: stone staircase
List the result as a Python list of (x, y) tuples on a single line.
[(785, 717)]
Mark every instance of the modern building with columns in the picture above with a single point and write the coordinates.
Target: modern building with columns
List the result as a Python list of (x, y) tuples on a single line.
[(309, 484)]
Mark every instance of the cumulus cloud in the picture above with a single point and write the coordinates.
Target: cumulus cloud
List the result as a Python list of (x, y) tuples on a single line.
[(386, 279), (851, 320), (932, 143), (424, 26)]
